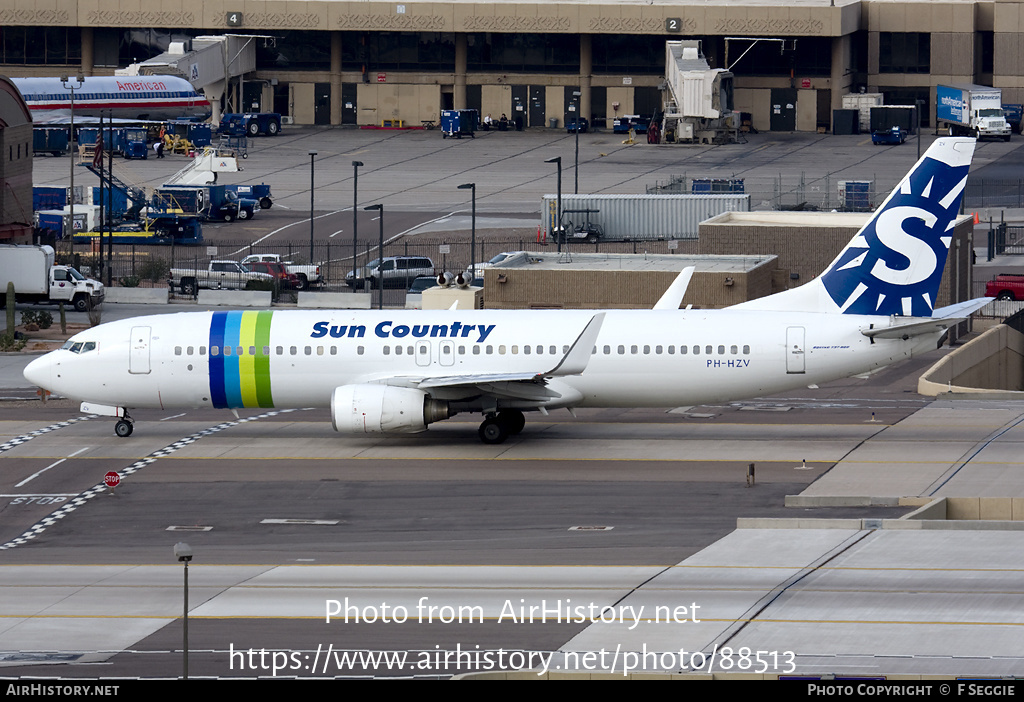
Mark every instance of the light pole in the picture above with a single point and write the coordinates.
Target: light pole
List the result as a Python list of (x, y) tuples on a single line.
[(312, 172), (472, 240), (380, 256), (183, 552), (355, 219), (80, 79), (576, 163), (558, 208)]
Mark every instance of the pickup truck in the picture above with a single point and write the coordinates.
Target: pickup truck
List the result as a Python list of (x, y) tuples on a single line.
[(1006, 286), (308, 275), (219, 275)]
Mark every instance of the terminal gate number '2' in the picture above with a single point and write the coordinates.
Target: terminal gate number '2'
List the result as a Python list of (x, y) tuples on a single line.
[(398, 371)]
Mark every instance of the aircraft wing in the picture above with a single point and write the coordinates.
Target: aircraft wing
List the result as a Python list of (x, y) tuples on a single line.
[(521, 386)]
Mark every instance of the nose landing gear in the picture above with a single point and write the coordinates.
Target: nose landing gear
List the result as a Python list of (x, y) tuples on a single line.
[(124, 426)]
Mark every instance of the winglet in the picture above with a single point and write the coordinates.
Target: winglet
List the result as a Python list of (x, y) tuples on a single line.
[(673, 297), (578, 356)]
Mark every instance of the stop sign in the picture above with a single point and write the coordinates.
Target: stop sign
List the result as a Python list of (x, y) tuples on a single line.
[(112, 479)]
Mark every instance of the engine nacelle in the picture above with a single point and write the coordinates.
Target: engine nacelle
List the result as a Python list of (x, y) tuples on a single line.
[(372, 409)]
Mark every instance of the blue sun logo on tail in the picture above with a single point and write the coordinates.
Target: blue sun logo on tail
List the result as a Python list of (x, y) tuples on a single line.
[(895, 263)]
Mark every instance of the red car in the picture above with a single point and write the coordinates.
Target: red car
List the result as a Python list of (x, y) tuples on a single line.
[(288, 281)]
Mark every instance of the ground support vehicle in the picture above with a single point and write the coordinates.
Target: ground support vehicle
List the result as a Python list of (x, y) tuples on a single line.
[(456, 123), (250, 124), (211, 202), (888, 136), (579, 228), (37, 279), (971, 110), (260, 193)]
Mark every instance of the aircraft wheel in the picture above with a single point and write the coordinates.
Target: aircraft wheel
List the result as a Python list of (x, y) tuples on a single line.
[(123, 428), (492, 431), (513, 420)]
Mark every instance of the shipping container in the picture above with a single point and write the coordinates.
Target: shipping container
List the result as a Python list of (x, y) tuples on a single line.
[(640, 217), (863, 102)]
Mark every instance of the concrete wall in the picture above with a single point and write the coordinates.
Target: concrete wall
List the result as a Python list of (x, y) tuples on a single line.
[(526, 288), (991, 363)]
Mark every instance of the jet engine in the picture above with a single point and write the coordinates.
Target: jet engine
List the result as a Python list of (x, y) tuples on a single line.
[(372, 409)]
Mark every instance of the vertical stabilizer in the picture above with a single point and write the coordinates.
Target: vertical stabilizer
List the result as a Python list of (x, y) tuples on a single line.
[(893, 266)]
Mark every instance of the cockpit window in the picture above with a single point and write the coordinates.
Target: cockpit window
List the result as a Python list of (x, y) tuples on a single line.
[(79, 346)]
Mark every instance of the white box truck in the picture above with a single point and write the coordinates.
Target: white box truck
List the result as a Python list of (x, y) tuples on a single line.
[(37, 279), (971, 110)]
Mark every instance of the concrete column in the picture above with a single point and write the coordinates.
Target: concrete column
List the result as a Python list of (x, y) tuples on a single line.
[(842, 71), (87, 51), (586, 69), (461, 51), (335, 78)]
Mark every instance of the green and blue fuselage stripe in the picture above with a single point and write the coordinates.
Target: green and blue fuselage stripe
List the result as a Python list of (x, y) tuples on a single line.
[(240, 359)]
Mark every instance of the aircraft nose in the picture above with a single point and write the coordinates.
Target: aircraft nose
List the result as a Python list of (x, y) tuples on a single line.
[(40, 372)]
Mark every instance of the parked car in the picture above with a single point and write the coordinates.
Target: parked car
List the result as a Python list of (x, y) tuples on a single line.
[(393, 271), (1006, 286), (286, 279), (308, 275), (570, 125)]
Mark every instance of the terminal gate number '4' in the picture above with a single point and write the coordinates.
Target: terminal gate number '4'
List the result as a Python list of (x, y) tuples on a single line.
[(398, 371)]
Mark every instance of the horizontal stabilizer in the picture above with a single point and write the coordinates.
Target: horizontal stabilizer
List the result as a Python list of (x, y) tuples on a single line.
[(916, 327)]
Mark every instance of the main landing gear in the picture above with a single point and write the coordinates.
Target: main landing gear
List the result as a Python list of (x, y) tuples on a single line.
[(124, 426), (498, 427)]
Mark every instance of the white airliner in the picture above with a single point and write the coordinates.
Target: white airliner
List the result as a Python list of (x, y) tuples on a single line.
[(127, 97), (398, 371)]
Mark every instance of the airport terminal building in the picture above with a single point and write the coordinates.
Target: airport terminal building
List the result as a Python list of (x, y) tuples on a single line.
[(337, 62)]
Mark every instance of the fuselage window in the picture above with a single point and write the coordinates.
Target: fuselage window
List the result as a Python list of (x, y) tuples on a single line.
[(177, 350), (565, 348), (408, 350), (202, 350), (721, 350), (240, 350), (252, 350), (540, 350), (746, 350), (526, 350), (476, 350), (633, 349), (622, 349), (227, 350), (515, 350), (462, 350), (607, 350), (554, 350), (266, 351), (490, 350), (501, 349), (319, 350), (398, 350), (672, 349), (733, 350), (647, 349), (309, 350), (709, 349), (657, 350), (293, 350), (280, 350), (334, 350), (696, 350), (190, 350), (359, 350), (387, 350)]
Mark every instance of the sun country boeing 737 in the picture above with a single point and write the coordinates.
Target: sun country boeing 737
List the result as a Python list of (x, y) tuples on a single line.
[(398, 371)]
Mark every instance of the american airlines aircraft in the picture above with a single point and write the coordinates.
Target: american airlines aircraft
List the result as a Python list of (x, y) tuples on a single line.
[(398, 371), (127, 97)]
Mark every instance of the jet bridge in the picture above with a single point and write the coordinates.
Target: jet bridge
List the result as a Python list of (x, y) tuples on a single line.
[(701, 108)]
